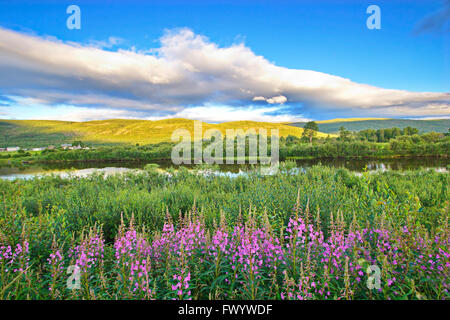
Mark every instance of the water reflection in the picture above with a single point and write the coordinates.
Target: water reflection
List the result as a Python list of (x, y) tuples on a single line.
[(82, 169)]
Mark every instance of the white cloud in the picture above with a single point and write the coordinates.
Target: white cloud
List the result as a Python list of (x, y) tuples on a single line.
[(209, 113), (277, 100), (259, 98), (431, 118), (86, 114), (32, 109), (187, 70), (437, 110), (273, 100), (217, 114)]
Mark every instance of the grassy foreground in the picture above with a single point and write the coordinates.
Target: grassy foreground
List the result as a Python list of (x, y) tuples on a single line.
[(182, 235)]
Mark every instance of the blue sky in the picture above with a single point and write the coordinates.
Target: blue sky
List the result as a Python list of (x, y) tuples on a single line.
[(408, 54)]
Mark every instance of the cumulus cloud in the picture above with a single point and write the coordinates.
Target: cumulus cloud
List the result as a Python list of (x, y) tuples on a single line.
[(185, 75), (273, 100)]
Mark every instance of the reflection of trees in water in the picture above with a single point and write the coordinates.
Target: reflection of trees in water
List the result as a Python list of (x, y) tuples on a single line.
[(357, 165)]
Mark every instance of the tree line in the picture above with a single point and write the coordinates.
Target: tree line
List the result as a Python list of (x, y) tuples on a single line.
[(347, 144)]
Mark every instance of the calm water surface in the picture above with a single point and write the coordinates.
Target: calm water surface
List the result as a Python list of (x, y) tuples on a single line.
[(85, 168)]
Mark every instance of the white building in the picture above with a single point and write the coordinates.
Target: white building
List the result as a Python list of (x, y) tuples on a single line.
[(12, 149)]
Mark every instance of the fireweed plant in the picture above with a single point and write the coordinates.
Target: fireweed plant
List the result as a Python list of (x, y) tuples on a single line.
[(310, 256), (245, 261)]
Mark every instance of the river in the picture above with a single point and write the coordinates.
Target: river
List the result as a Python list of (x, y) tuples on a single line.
[(85, 168)]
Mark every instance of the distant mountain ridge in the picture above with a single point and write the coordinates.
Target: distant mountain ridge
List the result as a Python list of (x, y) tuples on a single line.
[(355, 124)]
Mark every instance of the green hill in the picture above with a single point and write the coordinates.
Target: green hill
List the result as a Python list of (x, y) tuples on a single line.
[(37, 133), (332, 126), (40, 133)]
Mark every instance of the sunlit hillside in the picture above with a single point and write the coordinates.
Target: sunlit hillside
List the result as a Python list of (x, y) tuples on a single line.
[(35, 133)]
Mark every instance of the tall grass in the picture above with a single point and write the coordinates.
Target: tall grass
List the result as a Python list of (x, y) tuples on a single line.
[(186, 235)]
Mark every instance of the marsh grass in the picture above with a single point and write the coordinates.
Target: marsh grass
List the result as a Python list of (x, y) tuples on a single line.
[(183, 235)]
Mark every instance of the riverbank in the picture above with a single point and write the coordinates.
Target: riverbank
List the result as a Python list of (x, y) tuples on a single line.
[(405, 146), (358, 165), (68, 162)]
